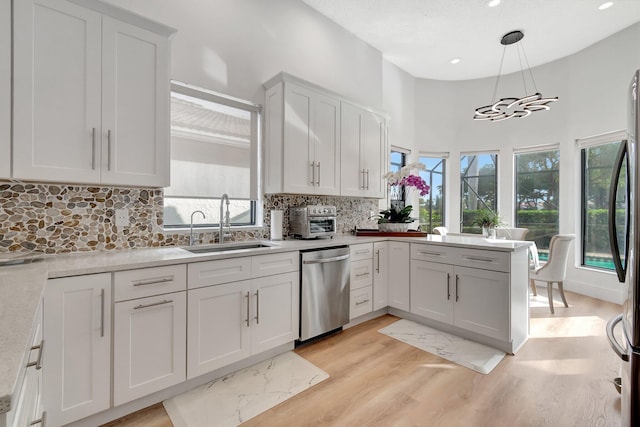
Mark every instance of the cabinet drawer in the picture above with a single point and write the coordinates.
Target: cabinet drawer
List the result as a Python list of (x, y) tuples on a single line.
[(268, 265), (361, 274), (361, 302), (361, 251), (149, 281), (216, 272), (434, 253), (486, 260)]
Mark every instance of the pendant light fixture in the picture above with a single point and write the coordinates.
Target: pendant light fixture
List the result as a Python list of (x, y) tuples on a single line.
[(507, 108)]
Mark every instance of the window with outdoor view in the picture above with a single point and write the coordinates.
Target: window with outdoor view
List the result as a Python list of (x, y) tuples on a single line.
[(597, 168), (432, 204), (537, 186), (478, 188), (213, 152), (397, 194)]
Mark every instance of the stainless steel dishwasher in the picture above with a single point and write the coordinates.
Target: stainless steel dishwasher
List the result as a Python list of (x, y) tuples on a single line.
[(324, 291)]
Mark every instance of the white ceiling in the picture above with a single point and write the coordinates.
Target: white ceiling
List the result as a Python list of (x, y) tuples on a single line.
[(423, 36)]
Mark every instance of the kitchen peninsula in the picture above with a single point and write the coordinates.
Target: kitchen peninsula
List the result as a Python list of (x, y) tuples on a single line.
[(474, 287)]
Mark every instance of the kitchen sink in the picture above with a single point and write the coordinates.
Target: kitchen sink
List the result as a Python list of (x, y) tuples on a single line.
[(225, 248)]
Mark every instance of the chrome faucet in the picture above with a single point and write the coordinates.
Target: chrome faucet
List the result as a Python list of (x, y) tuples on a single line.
[(191, 239), (224, 198)]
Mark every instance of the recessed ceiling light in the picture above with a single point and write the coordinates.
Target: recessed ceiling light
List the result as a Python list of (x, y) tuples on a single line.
[(493, 3), (455, 60), (605, 5)]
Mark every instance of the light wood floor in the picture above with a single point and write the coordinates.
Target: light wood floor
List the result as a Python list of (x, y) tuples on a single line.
[(561, 377)]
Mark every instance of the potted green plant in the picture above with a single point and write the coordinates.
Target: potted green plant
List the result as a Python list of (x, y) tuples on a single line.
[(395, 219), (488, 220)]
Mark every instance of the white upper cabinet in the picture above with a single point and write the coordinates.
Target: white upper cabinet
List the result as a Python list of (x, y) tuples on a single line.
[(91, 95), (5, 88), (302, 153), (363, 142)]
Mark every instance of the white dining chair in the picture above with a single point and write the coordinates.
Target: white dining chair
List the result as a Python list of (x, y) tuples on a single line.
[(441, 231), (555, 269), (511, 233)]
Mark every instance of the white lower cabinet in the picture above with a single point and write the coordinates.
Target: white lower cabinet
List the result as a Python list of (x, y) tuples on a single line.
[(431, 287), (77, 335), (399, 294), (380, 275), (149, 345), (361, 302), (228, 322), (360, 279)]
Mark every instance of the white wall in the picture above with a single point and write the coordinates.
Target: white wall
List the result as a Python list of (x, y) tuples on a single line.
[(233, 46), (591, 86)]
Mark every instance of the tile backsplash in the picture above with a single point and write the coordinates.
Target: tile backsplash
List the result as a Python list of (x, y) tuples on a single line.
[(54, 218)]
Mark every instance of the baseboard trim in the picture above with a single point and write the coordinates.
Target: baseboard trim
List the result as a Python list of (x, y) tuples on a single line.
[(606, 294)]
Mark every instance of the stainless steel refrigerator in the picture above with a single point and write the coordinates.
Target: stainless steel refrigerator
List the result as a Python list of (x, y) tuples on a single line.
[(624, 219)]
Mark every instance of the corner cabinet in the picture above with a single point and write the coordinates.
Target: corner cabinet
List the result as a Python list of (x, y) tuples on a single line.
[(77, 357), (302, 154), (363, 142), (5, 89), (91, 95)]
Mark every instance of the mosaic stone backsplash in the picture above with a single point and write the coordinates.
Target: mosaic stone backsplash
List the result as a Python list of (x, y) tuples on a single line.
[(51, 218)]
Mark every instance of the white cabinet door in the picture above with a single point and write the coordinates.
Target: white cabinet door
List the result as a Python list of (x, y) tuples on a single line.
[(77, 357), (399, 274), (482, 301), (432, 290), (360, 302), (360, 274), (352, 176), (326, 130), (135, 111), (149, 345), (5, 88), (275, 311), (218, 326), (298, 145), (380, 275), (57, 66), (372, 151)]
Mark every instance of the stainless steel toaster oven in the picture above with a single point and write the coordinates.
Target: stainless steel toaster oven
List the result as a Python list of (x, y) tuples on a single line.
[(309, 222)]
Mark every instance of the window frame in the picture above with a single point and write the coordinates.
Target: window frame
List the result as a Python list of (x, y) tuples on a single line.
[(496, 162), (444, 157)]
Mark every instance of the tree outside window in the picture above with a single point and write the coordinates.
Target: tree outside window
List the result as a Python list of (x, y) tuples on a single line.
[(537, 196), (478, 188), (432, 205)]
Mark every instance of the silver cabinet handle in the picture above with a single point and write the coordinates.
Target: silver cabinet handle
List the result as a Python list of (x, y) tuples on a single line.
[(313, 173), (362, 302), (362, 251), (470, 258), (362, 274), (257, 294), (378, 264), (448, 286), (430, 253), (102, 312), (362, 172), (323, 260), (153, 281), (153, 304), (367, 179), (38, 362), (42, 421), (109, 150), (93, 148), (318, 180), (248, 296), (457, 278)]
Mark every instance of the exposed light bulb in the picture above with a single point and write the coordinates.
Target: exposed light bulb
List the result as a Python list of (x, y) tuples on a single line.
[(455, 60), (605, 5), (493, 3)]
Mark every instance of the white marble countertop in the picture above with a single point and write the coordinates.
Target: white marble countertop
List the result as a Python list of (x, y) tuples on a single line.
[(21, 287)]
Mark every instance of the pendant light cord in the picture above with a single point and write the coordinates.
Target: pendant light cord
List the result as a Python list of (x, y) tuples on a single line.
[(495, 88), (526, 60)]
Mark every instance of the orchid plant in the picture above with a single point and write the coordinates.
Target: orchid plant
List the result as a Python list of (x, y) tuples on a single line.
[(404, 178)]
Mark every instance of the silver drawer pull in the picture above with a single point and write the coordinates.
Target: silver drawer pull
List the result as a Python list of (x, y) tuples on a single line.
[(430, 253), (362, 302), (38, 362), (248, 297), (42, 421), (362, 274), (470, 258), (362, 251), (167, 301), (154, 281)]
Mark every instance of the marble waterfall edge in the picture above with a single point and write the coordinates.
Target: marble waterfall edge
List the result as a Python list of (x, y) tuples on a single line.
[(469, 354), (240, 396)]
